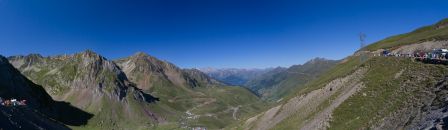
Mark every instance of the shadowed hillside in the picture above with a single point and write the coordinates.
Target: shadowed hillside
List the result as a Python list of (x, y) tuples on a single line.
[(41, 111)]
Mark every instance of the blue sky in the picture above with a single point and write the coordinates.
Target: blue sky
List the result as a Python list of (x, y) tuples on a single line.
[(209, 33)]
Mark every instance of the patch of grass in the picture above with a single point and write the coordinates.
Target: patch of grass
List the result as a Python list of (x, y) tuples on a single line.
[(111, 114), (70, 71), (227, 97)]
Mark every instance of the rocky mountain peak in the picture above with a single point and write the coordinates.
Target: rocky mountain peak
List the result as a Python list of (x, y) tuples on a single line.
[(27, 60), (89, 54), (146, 62), (196, 78), (318, 61), (92, 61), (196, 74), (144, 58), (35, 56), (140, 54), (313, 62), (88, 51)]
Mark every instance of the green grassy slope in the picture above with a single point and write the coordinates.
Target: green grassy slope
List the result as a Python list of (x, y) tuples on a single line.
[(275, 85), (211, 107), (386, 93), (346, 67), (187, 97), (426, 33)]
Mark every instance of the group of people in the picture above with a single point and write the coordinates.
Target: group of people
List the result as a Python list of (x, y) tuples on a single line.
[(439, 54), (12, 102)]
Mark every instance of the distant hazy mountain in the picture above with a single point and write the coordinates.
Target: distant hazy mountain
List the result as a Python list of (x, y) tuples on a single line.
[(272, 83), (234, 76)]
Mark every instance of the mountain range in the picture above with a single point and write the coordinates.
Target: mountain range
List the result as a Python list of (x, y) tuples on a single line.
[(366, 90), (235, 76), (147, 92)]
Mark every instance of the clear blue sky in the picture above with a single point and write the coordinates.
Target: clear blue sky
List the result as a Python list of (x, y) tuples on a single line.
[(208, 33)]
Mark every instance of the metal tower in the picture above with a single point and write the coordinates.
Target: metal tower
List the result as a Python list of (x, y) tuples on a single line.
[(362, 38)]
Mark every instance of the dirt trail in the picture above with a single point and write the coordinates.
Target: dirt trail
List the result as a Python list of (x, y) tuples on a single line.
[(191, 115), (266, 118), (321, 120), (424, 46), (209, 101), (235, 110)]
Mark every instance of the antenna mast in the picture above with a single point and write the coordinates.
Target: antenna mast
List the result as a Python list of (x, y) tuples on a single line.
[(362, 38)]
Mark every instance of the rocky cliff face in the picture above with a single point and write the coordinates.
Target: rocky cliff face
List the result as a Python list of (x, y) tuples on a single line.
[(61, 75)]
